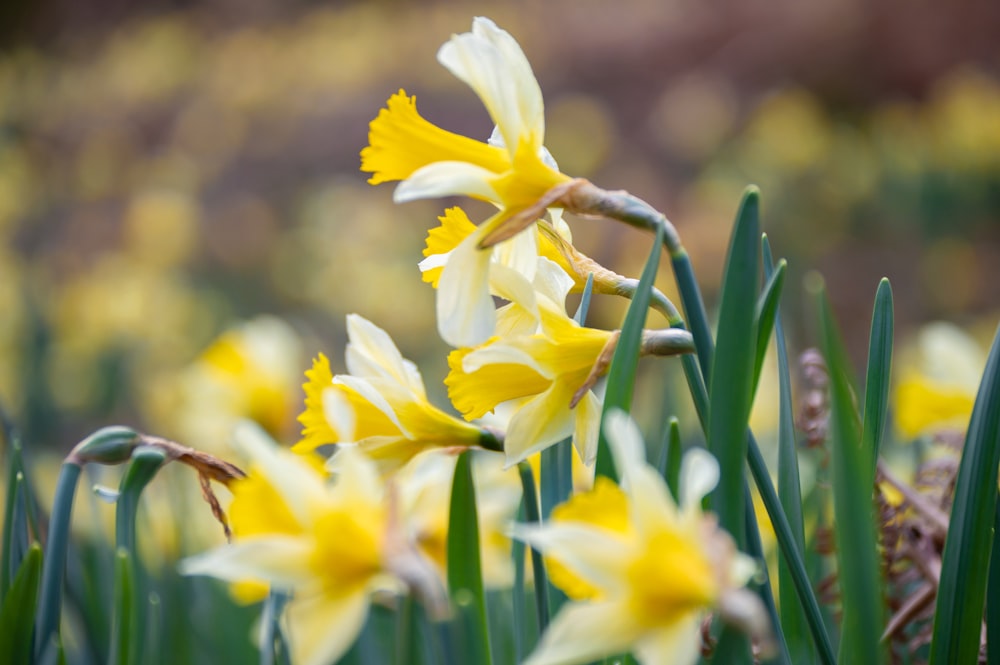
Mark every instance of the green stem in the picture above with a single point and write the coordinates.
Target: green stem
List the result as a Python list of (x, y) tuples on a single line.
[(693, 303), (532, 514), (54, 563)]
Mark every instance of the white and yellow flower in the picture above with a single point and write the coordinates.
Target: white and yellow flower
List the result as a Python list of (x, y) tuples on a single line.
[(512, 170), (425, 498), (331, 545), (380, 404), (540, 367), (641, 571)]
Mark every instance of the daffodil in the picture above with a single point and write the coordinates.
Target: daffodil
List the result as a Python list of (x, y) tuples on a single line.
[(331, 545), (380, 404), (540, 367), (425, 493), (939, 379), (512, 169), (641, 571)]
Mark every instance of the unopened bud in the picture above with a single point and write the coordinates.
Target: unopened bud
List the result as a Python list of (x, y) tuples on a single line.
[(108, 445)]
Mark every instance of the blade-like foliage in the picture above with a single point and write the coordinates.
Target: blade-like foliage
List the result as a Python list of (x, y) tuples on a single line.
[(621, 376), (854, 524), (964, 566)]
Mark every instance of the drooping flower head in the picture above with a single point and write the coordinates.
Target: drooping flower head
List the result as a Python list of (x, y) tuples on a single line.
[(641, 571), (380, 404), (512, 169), (539, 366)]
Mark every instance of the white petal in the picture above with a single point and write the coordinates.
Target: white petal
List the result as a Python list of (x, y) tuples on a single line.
[(283, 561), (520, 252), (540, 422), (584, 632), (490, 61), (357, 477), (625, 440), (514, 286), (322, 628), (433, 261), (699, 476), (552, 282), (500, 353), (588, 426), (371, 352), (652, 503), (676, 644), (339, 414), (465, 310), (597, 555), (447, 179), (371, 394)]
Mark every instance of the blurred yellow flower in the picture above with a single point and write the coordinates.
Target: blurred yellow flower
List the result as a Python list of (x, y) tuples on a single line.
[(425, 494), (645, 570), (512, 170), (538, 367), (380, 404), (328, 544), (939, 379)]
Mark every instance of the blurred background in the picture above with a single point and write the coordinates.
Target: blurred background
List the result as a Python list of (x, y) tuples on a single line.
[(183, 223)]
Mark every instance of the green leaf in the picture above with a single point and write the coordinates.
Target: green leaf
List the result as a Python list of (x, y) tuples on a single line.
[(465, 577), (993, 591), (854, 524), (123, 639), (879, 367), (47, 642), (272, 646), (625, 362), (732, 368), (764, 315), (793, 620), (18, 612), (532, 515), (127, 623), (669, 463), (961, 594)]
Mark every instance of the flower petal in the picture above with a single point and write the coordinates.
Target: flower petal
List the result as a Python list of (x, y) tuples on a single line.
[(699, 476), (323, 627), (371, 352), (583, 632), (540, 422), (587, 429), (282, 561), (447, 179), (465, 310), (678, 643), (594, 553)]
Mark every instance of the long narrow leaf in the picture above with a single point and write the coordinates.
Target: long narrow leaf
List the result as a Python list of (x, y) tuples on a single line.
[(465, 576), (854, 524), (961, 594), (18, 611), (122, 636), (621, 376), (764, 315), (793, 620), (532, 515), (877, 381), (669, 463), (732, 367), (993, 591)]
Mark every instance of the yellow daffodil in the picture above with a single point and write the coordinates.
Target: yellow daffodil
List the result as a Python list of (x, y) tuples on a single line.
[(512, 169), (380, 404), (939, 379), (641, 571), (425, 494), (539, 367), (329, 544)]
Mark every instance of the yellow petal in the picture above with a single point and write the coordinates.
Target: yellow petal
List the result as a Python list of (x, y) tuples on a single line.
[(401, 141), (477, 393), (455, 227), (316, 431)]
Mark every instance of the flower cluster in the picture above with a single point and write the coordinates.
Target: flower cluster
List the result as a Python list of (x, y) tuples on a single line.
[(524, 376)]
